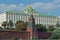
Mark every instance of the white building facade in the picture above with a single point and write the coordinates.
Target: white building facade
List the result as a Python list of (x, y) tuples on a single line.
[(39, 19), (2, 18)]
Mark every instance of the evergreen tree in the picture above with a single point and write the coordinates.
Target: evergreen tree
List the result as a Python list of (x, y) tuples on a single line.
[(10, 24), (4, 24), (55, 34), (57, 25), (41, 27), (51, 28)]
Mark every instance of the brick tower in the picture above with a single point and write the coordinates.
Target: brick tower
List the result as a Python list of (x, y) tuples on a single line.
[(31, 26)]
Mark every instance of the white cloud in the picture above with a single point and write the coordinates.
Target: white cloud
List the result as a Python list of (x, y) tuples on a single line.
[(37, 5), (4, 7), (58, 6), (57, 1), (21, 6), (13, 6), (44, 6), (2, 4), (47, 5)]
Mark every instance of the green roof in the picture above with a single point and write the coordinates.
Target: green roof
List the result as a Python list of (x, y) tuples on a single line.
[(47, 15), (23, 13)]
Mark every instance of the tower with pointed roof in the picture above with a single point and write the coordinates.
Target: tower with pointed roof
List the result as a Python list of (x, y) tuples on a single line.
[(31, 22), (31, 27)]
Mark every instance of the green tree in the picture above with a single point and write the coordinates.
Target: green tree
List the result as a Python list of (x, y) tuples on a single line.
[(18, 22), (10, 24), (4, 24), (41, 27), (1, 27), (14, 38), (50, 28), (57, 24), (26, 23), (55, 34), (20, 26)]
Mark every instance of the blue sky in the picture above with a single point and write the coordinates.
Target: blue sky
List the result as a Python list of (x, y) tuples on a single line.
[(51, 7)]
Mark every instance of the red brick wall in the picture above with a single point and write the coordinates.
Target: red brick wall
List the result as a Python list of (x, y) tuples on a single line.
[(11, 34), (44, 35)]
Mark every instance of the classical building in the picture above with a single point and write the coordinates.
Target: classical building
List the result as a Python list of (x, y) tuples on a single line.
[(24, 15)]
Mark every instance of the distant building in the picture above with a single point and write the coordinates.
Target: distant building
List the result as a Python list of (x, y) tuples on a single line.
[(24, 15)]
